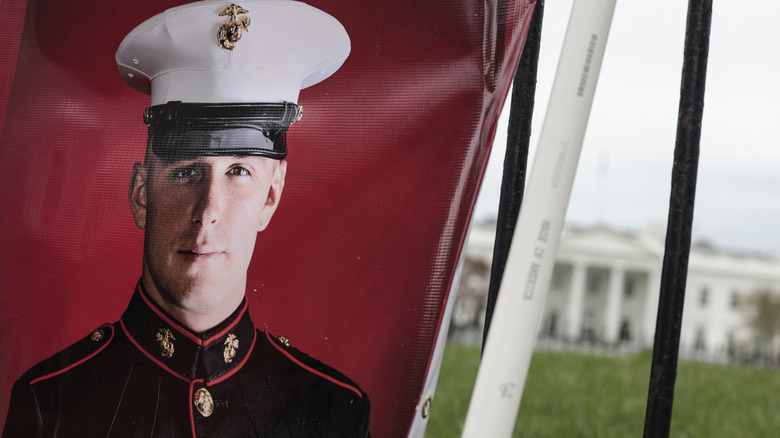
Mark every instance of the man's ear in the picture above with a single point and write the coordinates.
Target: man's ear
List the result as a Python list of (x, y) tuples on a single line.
[(137, 195), (274, 194)]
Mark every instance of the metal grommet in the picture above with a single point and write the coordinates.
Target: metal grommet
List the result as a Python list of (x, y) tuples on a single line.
[(298, 114), (148, 117), (426, 407), (96, 335)]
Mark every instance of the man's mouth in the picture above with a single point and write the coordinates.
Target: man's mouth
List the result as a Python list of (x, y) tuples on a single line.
[(201, 253)]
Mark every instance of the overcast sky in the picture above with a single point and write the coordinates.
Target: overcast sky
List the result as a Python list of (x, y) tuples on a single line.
[(624, 174)]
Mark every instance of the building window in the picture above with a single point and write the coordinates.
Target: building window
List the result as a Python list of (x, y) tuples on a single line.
[(735, 299), (593, 283), (704, 296), (730, 347), (625, 330), (557, 279), (628, 288), (552, 325), (700, 344)]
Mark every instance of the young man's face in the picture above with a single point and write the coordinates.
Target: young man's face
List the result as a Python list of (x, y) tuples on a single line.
[(201, 218)]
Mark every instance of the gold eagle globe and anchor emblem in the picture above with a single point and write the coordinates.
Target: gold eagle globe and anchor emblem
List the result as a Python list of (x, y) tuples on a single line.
[(230, 32), (165, 338), (231, 345), (203, 402)]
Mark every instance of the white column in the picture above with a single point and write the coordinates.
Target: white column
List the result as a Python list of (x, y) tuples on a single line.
[(617, 277), (576, 300), (651, 307)]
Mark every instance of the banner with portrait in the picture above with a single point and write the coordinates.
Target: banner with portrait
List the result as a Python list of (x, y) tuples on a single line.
[(358, 263)]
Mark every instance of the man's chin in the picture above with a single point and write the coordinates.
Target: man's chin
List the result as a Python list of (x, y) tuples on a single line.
[(205, 300), (206, 286), (201, 292)]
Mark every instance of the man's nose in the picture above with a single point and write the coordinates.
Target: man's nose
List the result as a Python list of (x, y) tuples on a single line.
[(208, 207)]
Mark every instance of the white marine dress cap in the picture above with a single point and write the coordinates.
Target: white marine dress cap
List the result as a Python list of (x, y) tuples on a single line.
[(224, 77)]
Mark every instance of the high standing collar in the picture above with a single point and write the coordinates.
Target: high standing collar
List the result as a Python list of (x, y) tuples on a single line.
[(180, 351)]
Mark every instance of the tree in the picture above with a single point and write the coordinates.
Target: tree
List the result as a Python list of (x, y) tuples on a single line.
[(762, 310)]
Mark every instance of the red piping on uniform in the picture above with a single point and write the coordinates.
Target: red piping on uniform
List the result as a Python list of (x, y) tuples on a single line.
[(237, 367), (56, 373), (187, 332), (312, 370), (154, 359)]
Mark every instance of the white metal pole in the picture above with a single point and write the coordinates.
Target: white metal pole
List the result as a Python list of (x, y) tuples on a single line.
[(510, 343)]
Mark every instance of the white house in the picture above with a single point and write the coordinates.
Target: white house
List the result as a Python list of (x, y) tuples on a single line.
[(606, 284)]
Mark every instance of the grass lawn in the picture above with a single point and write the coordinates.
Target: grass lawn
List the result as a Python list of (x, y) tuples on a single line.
[(570, 394)]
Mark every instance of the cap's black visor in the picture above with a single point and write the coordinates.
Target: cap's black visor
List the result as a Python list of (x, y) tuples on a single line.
[(184, 130)]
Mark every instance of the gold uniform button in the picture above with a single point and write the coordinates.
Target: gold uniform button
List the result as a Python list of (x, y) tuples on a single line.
[(284, 340), (203, 402)]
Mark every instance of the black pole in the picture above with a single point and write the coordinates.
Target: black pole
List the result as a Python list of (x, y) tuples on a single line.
[(516, 158), (663, 372)]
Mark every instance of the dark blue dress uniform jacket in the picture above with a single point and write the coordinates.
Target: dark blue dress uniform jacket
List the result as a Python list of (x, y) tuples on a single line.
[(148, 376)]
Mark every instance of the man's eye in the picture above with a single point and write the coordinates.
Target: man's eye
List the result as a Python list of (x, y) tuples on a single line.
[(186, 173), (238, 171)]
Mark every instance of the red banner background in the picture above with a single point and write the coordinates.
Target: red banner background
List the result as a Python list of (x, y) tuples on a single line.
[(358, 262)]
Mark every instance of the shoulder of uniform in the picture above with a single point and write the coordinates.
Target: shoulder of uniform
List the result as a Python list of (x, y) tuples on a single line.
[(313, 365), (76, 354)]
